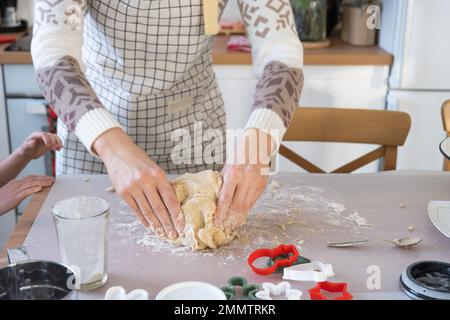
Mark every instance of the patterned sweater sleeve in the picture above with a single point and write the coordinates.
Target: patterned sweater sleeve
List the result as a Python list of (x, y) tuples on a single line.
[(277, 63), (56, 51)]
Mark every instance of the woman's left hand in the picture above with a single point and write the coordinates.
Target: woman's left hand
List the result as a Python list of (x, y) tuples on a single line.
[(243, 183), (38, 144)]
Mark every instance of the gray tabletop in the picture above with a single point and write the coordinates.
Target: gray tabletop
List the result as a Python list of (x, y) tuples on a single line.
[(302, 209)]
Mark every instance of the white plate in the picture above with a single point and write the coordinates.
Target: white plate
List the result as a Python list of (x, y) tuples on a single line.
[(439, 212), (191, 290)]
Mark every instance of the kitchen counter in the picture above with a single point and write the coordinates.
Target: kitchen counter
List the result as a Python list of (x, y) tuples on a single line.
[(338, 53), (13, 57), (327, 207)]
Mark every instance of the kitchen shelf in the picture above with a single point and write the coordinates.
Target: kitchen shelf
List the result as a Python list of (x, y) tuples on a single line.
[(338, 53)]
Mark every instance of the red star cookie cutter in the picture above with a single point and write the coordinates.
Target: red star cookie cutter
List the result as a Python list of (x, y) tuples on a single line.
[(316, 292), (288, 252)]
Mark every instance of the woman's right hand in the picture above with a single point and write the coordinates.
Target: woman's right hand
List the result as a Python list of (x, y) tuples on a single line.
[(141, 183)]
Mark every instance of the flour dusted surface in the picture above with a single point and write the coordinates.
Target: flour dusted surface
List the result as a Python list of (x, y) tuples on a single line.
[(286, 213)]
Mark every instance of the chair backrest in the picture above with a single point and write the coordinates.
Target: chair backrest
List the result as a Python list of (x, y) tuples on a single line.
[(446, 123), (388, 129)]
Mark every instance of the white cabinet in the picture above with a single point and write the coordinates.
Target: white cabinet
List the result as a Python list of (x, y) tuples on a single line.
[(237, 85), (21, 81), (325, 86)]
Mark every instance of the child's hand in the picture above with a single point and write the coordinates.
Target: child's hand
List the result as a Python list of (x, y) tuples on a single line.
[(38, 144), (15, 191)]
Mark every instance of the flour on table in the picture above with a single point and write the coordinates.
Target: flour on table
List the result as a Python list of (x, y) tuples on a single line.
[(360, 221), (334, 222), (339, 208), (303, 211), (275, 185)]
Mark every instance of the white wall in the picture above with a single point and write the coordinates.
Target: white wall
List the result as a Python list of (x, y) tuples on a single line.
[(25, 10)]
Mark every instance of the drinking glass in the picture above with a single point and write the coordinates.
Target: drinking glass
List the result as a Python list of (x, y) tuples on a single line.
[(82, 225)]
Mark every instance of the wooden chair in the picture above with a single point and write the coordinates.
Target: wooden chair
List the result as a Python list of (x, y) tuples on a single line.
[(388, 129), (446, 122)]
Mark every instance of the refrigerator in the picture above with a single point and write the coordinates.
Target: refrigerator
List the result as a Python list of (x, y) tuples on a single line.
[(417, 33)]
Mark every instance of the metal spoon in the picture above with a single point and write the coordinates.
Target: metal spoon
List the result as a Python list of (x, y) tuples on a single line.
[(403, 243)]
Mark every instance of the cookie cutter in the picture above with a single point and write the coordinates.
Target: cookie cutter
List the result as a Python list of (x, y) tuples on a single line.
[(300, 260), (283, 256), (119, 293), (248, 290), (316, 292), (314, 271), (283, 288)]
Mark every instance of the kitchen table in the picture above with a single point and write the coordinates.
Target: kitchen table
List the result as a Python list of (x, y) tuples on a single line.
[(302, 209)]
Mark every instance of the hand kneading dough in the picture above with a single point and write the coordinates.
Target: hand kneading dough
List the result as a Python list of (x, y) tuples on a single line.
[(198, 194)]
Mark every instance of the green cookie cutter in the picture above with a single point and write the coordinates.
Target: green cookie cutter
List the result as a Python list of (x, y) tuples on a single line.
[(300, 260), (248, 290)]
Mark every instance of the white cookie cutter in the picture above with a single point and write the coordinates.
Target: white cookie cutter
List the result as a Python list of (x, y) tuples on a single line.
[(119, 293), (314, 271), (270, 289)]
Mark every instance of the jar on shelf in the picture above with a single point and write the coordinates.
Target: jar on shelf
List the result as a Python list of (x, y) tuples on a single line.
[(311, 19), (360, 21)]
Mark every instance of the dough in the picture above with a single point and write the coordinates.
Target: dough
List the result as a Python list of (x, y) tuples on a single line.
[(198, 194), (110, 189)]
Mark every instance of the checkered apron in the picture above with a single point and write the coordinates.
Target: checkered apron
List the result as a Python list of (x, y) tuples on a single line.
[(150, 64)]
